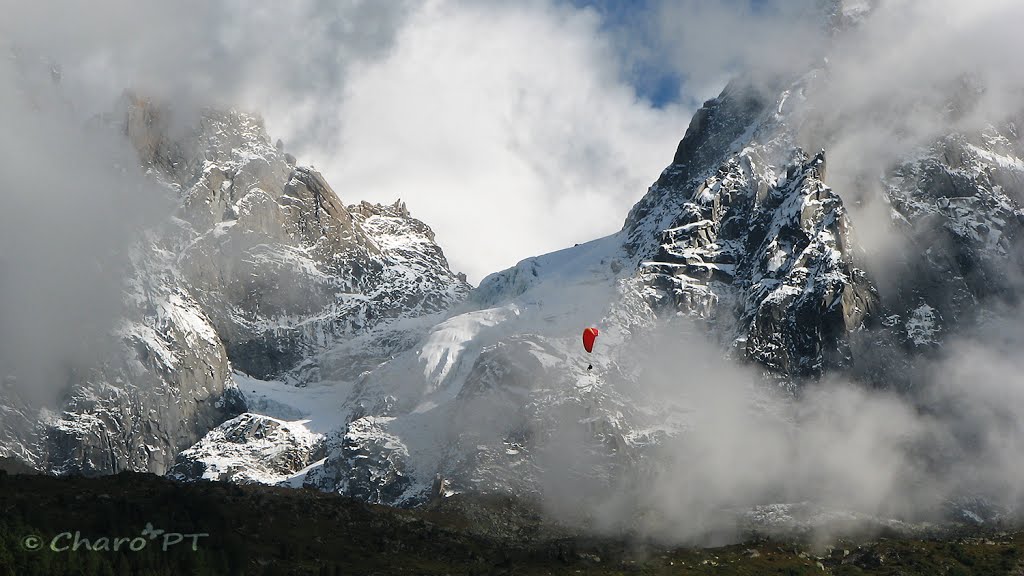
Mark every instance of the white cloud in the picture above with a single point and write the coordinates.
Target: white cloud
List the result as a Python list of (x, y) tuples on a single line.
[(507, 128), (73, 197), (708, 43)]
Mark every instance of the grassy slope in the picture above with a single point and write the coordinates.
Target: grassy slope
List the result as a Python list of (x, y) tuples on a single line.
[(263, 530)]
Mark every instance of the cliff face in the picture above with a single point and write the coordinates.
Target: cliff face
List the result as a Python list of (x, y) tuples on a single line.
[(260, 269), (171, 384), (759, 246), (282, 266), (769, 259)]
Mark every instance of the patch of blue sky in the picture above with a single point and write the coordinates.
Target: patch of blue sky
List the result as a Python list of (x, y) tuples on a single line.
[(629, 23)]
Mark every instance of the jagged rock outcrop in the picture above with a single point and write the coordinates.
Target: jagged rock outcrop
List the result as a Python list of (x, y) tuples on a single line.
[(249, 449), (710, 137), (368, 462), (960, 207), (748, 237), (763, 249), (284, 269), (769, 258), (137, 411)]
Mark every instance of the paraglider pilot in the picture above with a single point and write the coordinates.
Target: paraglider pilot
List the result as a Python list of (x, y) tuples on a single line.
[(589, 336)]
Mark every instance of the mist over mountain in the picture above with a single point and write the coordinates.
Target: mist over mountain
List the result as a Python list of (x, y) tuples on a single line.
[(815, 306)]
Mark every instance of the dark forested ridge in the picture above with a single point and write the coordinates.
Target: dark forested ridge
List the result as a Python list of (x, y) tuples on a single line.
[(219, 528)]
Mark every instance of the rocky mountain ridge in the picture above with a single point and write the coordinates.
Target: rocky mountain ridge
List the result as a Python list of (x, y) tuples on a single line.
[(260, 268), (741, 236)]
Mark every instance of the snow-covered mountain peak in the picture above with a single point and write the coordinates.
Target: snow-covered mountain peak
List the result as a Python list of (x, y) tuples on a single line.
[(260, 270), (281, 264)]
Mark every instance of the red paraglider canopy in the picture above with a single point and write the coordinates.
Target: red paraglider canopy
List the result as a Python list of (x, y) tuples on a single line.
[(589, 335)]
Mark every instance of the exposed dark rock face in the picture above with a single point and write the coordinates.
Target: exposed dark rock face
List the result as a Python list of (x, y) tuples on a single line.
[(751, 239), (774, 259), (959, 208), (764, 255), (711, 134)]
